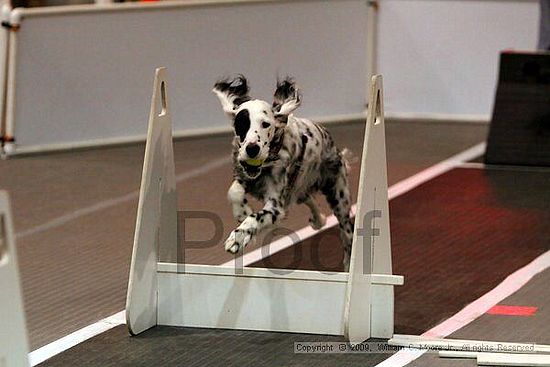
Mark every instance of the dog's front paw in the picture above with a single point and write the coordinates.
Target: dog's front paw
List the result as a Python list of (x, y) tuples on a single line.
[(237, 240), (318, 222)]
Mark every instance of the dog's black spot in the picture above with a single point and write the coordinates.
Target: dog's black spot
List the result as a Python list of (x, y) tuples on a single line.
[(245, 200), (265, 124), (262, 214), (341, 194), (242, 124)]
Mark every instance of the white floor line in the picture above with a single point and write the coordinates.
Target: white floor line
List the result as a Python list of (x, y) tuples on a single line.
[(63, 219), (394, 191), (509, 286), (499, 167), (399, 188), (60, 345), (436, 170)]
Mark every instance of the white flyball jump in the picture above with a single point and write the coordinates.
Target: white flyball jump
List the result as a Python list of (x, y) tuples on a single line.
[(14, 346), (358, 304)]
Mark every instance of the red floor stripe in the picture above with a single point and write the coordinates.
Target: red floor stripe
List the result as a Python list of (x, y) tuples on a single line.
[(512, 310)]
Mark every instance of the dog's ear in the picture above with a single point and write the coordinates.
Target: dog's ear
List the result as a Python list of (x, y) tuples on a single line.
[(232, 93), (286, 99)]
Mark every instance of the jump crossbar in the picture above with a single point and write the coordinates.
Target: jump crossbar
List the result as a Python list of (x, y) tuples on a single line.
[(358, 304), (329, 276)]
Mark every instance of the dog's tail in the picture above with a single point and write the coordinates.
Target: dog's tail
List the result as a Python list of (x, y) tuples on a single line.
[(348, 158)]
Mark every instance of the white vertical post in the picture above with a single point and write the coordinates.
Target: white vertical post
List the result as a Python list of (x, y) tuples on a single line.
[(369, 303), (14, 346), (9, 132), (156, 224), (5, 9)]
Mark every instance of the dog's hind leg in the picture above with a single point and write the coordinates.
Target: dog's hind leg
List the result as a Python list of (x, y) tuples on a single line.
[(338, 196), (239, 204), (317, 220)]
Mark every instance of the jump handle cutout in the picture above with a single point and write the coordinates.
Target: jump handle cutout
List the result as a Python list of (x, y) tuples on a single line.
[(162, 99), (378, 111)]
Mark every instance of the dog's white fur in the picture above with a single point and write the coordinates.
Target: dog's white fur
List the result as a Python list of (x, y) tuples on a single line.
[(298, 159)]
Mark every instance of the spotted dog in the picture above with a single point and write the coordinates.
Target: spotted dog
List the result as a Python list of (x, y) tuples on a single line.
[(281, 160)]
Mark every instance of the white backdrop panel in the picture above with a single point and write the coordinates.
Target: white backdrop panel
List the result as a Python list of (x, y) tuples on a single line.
[(87, 76), (441, 56)]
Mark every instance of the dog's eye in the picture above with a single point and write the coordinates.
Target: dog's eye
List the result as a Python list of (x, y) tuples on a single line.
[(265, 125)]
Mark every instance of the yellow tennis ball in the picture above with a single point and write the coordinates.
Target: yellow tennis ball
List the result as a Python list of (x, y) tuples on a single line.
[(255, 162)]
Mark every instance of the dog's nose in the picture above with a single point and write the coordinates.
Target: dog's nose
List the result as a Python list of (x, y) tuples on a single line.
[(252, 150)]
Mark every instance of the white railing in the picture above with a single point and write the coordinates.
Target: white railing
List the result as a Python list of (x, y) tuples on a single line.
[(76, 74)]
